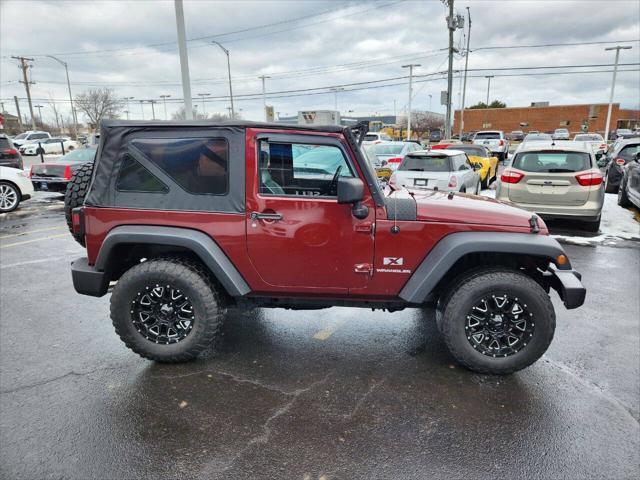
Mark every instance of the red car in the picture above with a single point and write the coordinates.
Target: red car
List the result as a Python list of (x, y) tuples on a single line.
[(192, 218)]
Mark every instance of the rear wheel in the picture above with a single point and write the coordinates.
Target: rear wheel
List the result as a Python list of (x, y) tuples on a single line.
[(10, 197), (75, 194), (608, 187), (592, 226), (623, 198), (497, 321), (166, 310)]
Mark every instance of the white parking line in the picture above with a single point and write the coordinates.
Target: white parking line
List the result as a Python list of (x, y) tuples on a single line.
[(40, 260)]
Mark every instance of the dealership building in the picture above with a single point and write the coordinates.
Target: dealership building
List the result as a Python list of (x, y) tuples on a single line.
[(546, 118)]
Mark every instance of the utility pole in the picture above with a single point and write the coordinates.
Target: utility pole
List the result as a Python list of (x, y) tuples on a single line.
[(164, 101), (486, 110), (142, 108), (430, 101), (613, 87), (73, 110), (335, 91), (184, 60), (233, 112), (39, 112), (394, 110), (24, 66), (153, 110), (15, 99), (264, 96), (204, 108), (466, 65), (410, 67), (452, 26)]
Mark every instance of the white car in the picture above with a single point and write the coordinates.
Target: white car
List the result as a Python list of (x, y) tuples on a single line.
[(447, 170), (496, 141), (15, 187), (51, 145), (30, 136), (596, 142), (376, 137)]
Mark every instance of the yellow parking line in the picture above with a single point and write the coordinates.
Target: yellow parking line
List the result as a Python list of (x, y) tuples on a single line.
[(325, 333), (34, 240), (30, 232)]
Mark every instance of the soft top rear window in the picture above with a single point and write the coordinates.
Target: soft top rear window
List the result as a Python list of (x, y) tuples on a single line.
[(552, 161), (424, 163), (488, 135)]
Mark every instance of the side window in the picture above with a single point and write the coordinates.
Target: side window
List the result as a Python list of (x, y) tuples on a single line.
[(133, 177), (460, 162), (198, 165), (298, 169), (629, 152), (39, 136)]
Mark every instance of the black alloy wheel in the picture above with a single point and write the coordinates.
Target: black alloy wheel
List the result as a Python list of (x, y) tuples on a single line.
[(499, 325)]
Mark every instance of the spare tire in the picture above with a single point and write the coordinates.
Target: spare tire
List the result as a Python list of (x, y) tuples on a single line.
[(74, 197)]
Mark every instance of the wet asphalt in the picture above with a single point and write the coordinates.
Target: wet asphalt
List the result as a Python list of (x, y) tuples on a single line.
[(330, 394)]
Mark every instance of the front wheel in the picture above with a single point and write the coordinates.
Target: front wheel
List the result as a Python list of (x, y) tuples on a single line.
[(497, 322), (10, 197), (166, 310)]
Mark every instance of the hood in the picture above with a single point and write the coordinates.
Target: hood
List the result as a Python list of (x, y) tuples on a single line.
[(434, 206)]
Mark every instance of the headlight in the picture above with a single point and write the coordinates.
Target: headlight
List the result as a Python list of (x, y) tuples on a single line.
[(22, 174)]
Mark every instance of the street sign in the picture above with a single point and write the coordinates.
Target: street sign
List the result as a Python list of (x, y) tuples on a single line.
[(443, 97)]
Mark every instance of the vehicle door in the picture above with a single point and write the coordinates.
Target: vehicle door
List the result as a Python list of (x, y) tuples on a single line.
[(298, 236), (550, 178)]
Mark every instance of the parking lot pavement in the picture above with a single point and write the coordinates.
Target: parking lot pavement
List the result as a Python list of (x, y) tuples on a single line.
[(335, 394)]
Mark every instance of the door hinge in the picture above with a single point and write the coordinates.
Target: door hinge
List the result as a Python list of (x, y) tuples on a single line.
[(365, 227), (363, 268)]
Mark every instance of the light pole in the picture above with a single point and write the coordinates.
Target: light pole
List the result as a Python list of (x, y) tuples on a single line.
[(264, 96), (430, 101), (226, 52), (486, 110), (335, 91), (153, 110), (184, 60), (203, 96), (466, 65), (410, 67), (142, 108), (164, 101), (613, 86), (73, 110)]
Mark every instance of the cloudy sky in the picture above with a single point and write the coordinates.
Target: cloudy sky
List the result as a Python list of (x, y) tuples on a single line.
[(307, 47)]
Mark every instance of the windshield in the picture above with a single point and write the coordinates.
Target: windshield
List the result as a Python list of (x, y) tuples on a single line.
[(538, 137), (488, 135), (387, 149), (588, 138), (5, 143), (82, 155), (20, 137), (562, 130), (552, 162), (424, 163)]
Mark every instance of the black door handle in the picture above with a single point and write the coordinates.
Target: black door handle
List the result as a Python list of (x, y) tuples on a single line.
[(266, 216)]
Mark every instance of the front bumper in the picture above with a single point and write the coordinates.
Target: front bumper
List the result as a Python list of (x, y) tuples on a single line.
[(569, 286), (87, 280)]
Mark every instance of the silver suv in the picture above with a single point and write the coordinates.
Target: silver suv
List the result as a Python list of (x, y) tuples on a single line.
[(496, 141), (555, 181)]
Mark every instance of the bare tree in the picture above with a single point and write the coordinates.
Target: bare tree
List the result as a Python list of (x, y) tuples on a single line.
[(99, 103), (56, 112)]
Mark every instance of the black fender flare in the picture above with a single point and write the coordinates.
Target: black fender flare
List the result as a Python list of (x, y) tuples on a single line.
[(456, 245), (196, 241)]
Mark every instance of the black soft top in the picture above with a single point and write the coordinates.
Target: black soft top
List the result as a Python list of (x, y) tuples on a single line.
[(107, 124)]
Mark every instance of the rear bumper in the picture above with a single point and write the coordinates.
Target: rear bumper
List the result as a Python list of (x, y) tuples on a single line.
[(589, 210), (87, 280), (569, 286), (45, 184)]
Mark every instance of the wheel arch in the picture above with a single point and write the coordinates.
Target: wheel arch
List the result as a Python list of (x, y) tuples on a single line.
[(15, 185), (125, 245), (461, 252)]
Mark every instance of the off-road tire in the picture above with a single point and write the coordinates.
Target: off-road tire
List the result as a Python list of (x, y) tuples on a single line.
[(190, 278), (608, 188), (623, 198), (467, 291), (74, 196)]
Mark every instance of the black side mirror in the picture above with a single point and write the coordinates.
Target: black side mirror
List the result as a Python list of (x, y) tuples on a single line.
[(637, 157), (350, 190)]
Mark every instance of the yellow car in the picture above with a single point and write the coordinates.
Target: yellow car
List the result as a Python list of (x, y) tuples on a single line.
[(482, 155)]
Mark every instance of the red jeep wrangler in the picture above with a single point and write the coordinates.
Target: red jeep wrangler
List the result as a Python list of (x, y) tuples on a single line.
[(188, 219)]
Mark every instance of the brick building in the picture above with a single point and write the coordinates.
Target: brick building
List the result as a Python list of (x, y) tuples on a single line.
[(546, 118)]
